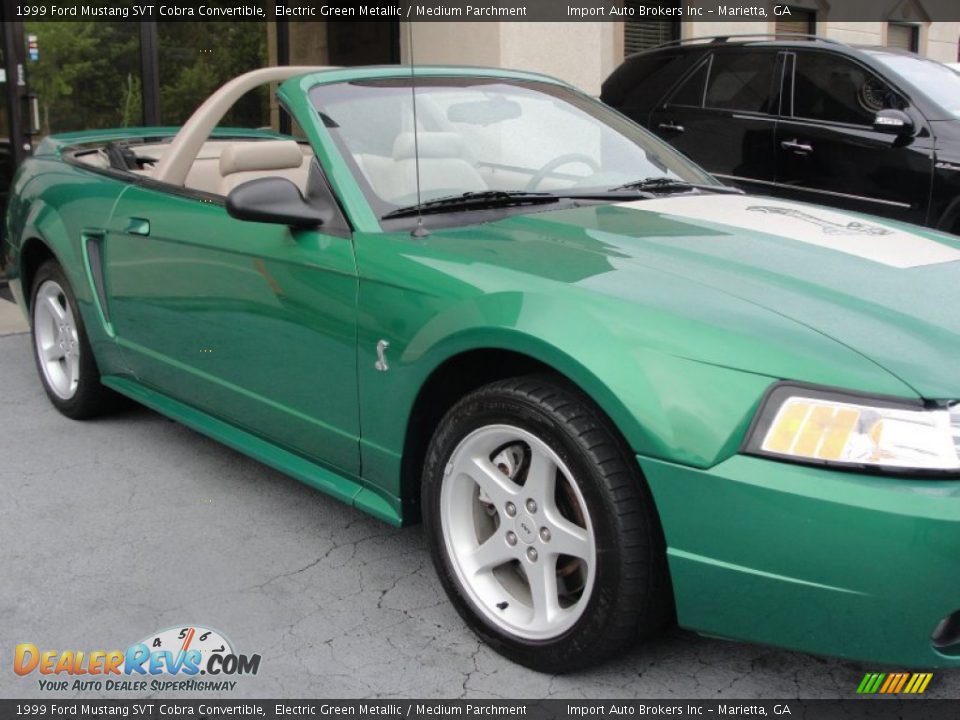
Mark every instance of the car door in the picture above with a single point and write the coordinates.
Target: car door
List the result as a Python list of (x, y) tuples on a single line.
[(828, 151), (253, 323), (723, 115)]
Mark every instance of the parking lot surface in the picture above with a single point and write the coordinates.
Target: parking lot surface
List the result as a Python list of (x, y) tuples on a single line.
[(114, 529)]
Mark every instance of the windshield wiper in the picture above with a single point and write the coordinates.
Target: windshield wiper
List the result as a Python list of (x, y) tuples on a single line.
[(474, 201), (669, 184)]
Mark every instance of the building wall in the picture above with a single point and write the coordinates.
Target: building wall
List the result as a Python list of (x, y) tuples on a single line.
[(583, 54), (452, 43), (938, 40), (710, 29), (580, 53), (942, 41)]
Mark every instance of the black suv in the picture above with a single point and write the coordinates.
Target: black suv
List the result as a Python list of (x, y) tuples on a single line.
[(868, 129)]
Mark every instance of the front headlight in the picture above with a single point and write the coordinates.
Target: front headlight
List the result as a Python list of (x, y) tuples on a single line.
[(827, 427)]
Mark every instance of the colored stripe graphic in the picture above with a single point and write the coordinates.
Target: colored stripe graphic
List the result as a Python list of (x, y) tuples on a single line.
[(870, 683), (894, 683), (903, 681), (892, 679)]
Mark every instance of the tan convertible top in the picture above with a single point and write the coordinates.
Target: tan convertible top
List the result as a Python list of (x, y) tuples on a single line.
[(177, 160)]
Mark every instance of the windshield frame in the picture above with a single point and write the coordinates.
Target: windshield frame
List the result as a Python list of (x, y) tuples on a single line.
[(599, 112)]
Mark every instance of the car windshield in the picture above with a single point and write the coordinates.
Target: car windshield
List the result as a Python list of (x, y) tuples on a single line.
[(937, 81), (477, 135)]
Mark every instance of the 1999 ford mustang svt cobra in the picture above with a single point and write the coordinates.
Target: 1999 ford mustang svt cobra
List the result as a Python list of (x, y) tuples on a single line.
[(613, 389)]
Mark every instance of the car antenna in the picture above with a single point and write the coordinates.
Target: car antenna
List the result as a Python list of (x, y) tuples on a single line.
[(419, 231)]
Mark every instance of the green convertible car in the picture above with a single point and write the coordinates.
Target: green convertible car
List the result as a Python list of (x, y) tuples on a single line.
[(616, 391)]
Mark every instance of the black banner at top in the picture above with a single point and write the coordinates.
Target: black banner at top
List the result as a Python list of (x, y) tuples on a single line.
[(732, 11)]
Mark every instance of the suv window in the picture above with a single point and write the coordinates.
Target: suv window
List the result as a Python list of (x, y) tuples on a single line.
[(742, 81), (690, 92), (831, 88), (643, 79)]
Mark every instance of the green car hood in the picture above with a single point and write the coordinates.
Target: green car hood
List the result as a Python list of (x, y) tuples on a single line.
[(886, 291)]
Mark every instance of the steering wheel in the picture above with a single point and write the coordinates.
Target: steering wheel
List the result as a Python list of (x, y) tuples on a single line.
[(560, 161)]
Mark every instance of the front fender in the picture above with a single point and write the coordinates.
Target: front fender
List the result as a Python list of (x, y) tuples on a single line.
[(56, 206), (666, 406), (679, 368)]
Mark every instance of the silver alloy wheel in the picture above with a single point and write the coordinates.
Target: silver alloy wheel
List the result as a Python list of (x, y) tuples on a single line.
[(517, 532), (56, 340)]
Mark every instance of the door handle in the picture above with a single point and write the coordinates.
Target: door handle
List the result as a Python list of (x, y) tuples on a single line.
[(671, 126), (138, 226), (797, 147)]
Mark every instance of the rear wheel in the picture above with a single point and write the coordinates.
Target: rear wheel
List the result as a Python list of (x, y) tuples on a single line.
[(61, 349), (541, 527)]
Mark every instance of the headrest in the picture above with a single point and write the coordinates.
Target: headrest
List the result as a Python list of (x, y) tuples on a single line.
[(431, 145), (260, 155)]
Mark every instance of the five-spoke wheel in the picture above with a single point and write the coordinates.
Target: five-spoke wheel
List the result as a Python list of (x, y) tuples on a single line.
[(61, 348), (541, 526), (517, 530), (56, 339)]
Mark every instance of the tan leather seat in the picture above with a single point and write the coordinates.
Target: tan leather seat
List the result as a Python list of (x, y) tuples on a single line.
[(444, 168), (244, 161)]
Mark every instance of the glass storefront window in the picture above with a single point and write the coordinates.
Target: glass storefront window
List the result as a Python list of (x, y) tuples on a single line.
[(6, 155), (87, 76), (197, 58)]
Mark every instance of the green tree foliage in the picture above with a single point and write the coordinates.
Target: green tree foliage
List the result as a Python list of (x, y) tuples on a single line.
[(88, 75), (196, 58)]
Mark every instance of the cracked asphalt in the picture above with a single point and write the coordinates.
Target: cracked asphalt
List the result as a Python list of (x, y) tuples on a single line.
[(116, 528)]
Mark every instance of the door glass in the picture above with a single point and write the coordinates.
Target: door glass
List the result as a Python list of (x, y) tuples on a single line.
[(690, 93), (831, 88), (742, 81), (87, 75)]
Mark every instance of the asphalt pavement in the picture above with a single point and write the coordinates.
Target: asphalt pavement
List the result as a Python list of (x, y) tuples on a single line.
[(114, 529)]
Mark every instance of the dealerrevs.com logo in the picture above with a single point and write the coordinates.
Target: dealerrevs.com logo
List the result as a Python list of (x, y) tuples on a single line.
[(169, 660)]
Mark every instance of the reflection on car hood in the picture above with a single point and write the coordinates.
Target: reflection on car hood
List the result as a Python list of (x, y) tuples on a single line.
[(887, 290)]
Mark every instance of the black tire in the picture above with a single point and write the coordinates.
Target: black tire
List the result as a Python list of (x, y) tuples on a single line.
[(90, 397), (631, 597)]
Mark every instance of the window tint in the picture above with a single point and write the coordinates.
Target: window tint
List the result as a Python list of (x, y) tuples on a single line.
[(690, 93), (829, 87), (742, 81), (637, 81)]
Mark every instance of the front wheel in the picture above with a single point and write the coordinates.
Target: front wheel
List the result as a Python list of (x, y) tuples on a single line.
[(61, 349), (542, 529)]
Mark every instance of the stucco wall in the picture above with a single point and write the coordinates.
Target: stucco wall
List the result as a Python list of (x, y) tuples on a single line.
[(583, 54), (942, 41), (452, 43), (938, 40), (711, 29), (856, 33), (580, 53)]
